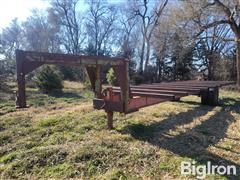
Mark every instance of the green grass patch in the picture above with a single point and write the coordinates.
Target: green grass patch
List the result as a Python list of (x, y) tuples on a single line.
[(61, 137)]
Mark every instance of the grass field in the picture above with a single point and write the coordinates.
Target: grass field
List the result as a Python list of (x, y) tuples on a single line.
[(61, 136)]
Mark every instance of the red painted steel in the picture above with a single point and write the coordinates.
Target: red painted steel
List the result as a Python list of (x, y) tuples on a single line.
[(180, 93), (125, 98)]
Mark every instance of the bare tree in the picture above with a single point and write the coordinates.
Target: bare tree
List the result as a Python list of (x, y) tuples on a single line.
[(127, 29), (149, 19), (212, 48), (208, 14), (40, 34), (100, 25), (161, 41), (11, 39), (173, 44), (65, 12)]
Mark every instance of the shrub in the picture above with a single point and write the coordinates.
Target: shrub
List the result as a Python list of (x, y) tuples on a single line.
[(72, 73), (48, 79), (137, 79), (111, 78), (87, 83)]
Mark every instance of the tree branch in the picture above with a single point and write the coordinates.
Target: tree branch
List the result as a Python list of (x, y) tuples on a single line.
[(213, 24)]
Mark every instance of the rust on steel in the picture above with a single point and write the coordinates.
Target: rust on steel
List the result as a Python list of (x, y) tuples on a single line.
[(124, 98)]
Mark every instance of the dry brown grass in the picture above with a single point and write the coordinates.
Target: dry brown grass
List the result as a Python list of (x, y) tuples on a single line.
[(64, 137)]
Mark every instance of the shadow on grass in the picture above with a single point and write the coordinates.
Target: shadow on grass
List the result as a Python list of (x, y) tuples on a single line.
[(230, 104), (192, 142)]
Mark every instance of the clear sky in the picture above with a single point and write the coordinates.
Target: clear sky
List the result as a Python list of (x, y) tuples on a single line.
[(10, 9)]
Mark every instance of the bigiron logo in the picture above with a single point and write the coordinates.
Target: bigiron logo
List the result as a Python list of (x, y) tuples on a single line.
[(201, 171)]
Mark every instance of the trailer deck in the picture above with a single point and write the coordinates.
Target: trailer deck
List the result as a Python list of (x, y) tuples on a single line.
[(124, 98)]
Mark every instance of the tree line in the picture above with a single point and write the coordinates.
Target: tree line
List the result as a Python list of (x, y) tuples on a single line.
[(164, 40)]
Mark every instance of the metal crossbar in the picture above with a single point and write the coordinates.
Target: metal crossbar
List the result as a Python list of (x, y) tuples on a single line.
[(125, 98)]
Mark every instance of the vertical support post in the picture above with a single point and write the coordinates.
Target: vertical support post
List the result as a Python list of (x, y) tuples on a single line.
[(213, 95), (92, 76), (110, 119), (204, 97), (98, 83), (20, 95), (126, 86), (210, 96), (122, 73)]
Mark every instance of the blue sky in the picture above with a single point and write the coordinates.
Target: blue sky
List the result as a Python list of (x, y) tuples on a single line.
[(10, 9), (21, 9)]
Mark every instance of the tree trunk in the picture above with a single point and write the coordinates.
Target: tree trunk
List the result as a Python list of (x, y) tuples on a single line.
[(147, 55), (238, 63), (159, 78), (142, 57), (174, 69), (210, 70)]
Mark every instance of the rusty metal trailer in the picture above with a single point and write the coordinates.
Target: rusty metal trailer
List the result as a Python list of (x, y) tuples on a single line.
[(125, 98)]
